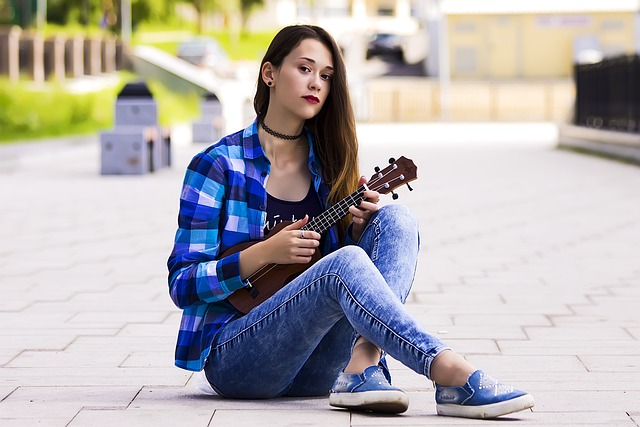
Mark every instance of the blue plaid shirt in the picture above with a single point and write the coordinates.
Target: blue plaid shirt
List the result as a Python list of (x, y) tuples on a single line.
[(223, 203)]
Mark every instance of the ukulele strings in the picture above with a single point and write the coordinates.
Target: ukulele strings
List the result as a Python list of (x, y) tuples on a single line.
[(354, 199), (265, 269)]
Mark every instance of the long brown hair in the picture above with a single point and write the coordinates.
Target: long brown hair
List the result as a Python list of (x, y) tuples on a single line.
[(333, 128)]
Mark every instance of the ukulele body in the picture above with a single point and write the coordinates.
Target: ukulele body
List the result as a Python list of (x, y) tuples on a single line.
[(267, 283)]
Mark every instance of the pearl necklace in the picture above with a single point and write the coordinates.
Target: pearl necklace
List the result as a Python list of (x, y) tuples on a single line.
[(278, 134)]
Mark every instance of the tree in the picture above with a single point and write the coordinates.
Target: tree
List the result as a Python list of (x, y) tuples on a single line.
[(206, 7), (246, 7), (234, 12)]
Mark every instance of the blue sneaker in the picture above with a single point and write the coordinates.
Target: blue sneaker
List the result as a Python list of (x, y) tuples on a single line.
[(369, 391), (481, 397)]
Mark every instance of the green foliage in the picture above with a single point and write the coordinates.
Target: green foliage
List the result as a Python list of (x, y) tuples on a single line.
[(31, 111), (249, 46), (106, 13), (84, 12)]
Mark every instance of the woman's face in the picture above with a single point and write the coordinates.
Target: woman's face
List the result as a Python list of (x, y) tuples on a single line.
[(303, 81)]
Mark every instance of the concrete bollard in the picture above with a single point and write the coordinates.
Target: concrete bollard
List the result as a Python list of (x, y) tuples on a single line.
[(9, 53), (136, 144), (54, 64), (32, 57), (74, 56), (92, 56), (209, 126), (108, 54)]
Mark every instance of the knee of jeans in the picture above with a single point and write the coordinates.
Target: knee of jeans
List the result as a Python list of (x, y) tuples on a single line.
[(400, 217), (355, 256), (350, 260)]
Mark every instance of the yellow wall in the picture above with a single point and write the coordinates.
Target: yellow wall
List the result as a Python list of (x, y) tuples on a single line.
[(530, 45)]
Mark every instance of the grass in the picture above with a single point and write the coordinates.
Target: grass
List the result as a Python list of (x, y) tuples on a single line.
[(32, 111), (37, 111), (248, 46)]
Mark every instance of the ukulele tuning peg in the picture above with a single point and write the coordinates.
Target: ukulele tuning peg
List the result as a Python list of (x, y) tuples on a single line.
[(409, 187), (391, 160), (377, 169), (394, 195)]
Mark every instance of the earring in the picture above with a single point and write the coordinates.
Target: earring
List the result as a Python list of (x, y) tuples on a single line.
[(269, 83)]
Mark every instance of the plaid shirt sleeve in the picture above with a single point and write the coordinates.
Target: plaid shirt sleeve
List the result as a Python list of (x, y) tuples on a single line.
[(195, 276)]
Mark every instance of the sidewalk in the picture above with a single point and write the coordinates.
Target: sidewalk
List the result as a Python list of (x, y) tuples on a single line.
[(529, 268)]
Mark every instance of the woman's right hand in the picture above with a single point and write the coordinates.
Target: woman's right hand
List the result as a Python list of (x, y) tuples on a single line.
[(291, 245)]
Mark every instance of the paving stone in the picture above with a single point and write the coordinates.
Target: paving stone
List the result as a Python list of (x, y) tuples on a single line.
[(188, 397), (634, 332), (5, 391), (473, 346), (61, 359), (571, 346), (39, 405), (490, 320), (480, 332), (531, 276), (131, 417), (570, 333), (535, 417), (579, 401), (280, 418), (611, 363), (50, 341), (85, 377), (141, 359), (132, 343), (577, 381), (93, 317), (535, 363)]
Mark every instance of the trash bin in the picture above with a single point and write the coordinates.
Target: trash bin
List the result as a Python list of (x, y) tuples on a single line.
[(136, 144), (209, 126)]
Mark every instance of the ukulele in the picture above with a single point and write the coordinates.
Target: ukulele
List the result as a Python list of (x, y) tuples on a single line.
[(267, 280)]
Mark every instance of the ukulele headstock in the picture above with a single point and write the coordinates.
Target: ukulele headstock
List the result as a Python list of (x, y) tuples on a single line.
[(399, 172)]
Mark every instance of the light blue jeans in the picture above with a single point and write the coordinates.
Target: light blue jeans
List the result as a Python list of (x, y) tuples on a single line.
[(298, 341)]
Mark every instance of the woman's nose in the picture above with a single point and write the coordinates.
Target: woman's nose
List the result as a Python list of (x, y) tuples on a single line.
[(315, 82)]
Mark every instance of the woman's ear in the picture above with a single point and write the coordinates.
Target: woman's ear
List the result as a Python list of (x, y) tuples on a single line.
[(267, 73)]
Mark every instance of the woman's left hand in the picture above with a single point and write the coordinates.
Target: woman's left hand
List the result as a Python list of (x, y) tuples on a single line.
[(364, 211)]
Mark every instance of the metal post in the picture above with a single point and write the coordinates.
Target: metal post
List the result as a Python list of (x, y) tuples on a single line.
[(444, 72)]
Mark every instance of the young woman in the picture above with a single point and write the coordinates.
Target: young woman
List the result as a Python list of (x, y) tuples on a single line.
[(327, 330)]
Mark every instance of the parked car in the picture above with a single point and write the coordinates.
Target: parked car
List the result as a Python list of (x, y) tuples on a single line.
[(205, 52), (385, 45)]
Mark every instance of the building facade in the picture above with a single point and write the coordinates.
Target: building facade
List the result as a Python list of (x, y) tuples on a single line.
[(503, 39), (479, 39)]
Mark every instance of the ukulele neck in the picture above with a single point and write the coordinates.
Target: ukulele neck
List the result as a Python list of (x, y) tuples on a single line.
[(335, 213)]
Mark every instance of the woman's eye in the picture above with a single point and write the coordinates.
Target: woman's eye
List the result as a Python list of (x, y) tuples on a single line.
[(326, 76), (305, 68)]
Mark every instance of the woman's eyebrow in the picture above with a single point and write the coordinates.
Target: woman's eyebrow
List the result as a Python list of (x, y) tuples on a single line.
[(313, 61)]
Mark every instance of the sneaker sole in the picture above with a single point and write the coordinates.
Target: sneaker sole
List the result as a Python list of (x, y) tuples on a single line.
[(486, 411), (387, 401)]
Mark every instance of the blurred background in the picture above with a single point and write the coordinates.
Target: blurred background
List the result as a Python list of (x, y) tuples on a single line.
[(64, 62)]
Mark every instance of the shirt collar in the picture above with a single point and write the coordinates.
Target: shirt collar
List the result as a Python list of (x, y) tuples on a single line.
[(251, 143)]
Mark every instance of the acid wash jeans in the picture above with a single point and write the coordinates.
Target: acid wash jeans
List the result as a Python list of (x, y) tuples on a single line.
[(298, 341)]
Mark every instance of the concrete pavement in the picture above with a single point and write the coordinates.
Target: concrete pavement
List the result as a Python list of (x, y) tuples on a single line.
[(529, 267)]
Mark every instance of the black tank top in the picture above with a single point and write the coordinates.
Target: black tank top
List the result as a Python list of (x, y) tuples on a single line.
[(283, 210)]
